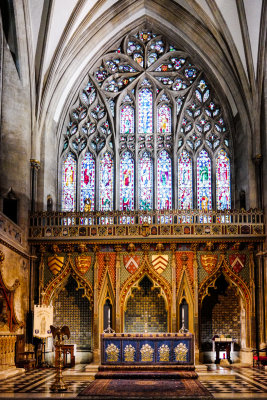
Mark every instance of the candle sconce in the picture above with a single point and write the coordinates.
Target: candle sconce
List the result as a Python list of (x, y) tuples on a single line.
[(184, 317), (108, 309)]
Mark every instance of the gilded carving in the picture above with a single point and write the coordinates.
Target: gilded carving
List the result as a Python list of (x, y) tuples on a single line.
[(129, 352), (164, 353), (160, 262), (112, 352), (55, 264), (180, 352), (209, 262), (146, 353), (83, 263)]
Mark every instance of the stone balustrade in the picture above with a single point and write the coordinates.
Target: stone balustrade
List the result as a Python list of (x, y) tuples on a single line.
[(158, 223), (7, 351)]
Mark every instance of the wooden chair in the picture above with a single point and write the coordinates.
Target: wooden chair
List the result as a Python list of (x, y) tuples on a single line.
[(259, 359)]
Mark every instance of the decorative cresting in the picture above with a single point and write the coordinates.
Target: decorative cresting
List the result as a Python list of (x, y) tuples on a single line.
[(151, 95), (145, 269), (223, 267), (7, 292), (180, 352), (54, 286)]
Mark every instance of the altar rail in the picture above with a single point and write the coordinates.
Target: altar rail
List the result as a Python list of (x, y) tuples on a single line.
[(169, 223), (7, 351)]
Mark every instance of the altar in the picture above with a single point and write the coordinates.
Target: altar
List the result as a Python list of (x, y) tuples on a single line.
[(147, 348)]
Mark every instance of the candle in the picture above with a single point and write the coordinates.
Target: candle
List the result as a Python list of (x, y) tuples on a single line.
[(183, 314)]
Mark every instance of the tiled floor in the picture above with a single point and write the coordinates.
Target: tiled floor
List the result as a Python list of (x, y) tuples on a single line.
[(239, 382)]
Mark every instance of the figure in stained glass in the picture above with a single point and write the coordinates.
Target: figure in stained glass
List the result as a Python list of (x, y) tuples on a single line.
[(164, 181), (106, 183), (127, 119), (145, 111), (185, 182), (69, 183), (223, 193), (164, 119), (145, 182), (88, 183), (127, 182), (204, 181)]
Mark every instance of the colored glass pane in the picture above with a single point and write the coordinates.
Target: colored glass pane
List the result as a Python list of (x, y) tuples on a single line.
[(185, 182), (145, 182), (164, 175), (88, 183), (127, 182), (223, 192), (127, 119), (164, 119), (204, 201), (145, 111), (106, 183), (69, 183)]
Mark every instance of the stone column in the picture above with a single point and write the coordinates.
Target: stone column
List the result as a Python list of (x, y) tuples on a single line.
[(258, 166), (260, 294), (35, 166), (174, 300), (196, 316), (118, 275), (96, 342)]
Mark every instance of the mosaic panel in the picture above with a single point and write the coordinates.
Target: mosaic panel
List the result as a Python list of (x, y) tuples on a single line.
[(146, 310), (73, 310)]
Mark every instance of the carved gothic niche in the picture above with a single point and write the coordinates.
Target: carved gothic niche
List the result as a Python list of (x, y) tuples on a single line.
[(7, 313)]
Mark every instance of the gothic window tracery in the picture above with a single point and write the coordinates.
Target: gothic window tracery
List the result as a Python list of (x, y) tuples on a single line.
[(148, 133)]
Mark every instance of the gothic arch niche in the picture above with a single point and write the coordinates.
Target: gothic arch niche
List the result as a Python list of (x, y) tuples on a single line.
[(222, 313), (145, 308), (73, 309), (185, 296), (146, 103), (106, 296)]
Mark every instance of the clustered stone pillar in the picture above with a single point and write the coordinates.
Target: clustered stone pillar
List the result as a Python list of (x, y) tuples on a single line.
[(35, 166)]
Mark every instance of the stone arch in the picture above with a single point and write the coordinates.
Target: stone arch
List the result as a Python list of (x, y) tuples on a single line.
[(158, 281), (106, 292)]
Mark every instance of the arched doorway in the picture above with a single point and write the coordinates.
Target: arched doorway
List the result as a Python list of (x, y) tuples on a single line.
[(220, 315)]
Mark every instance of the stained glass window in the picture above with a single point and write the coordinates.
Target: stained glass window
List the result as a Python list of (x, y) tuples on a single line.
[(69, 183), (106, 183), (127, 119), (164, 119), (145, 111), (127, 182), (145, 182), (223, 193), (88, 183), (204, 201), (164, 176), (185, 182)]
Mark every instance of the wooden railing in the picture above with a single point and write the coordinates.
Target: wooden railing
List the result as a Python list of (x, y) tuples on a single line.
[(171, 223)]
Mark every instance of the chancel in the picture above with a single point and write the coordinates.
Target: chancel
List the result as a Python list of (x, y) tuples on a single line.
[(133, 196)]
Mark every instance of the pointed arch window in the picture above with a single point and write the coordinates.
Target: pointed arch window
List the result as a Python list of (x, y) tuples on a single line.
[(185, 182), (106, 183), (127, 182), (164, 175), (164, 119), (147, 124), (145, 108), (145, 182), (69, 183), (223, 198), (87, 197), (204, 201)]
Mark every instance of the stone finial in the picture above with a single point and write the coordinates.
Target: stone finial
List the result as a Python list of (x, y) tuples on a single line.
[(118, 248), (209, 246), (184, 258), (160, 247), (69, 248), (173, 247), (42, 248), (194, 246), (145, 248), (106, 259), (82, 248), (131, 248), (223, 247), (96, 248), (236, 246)]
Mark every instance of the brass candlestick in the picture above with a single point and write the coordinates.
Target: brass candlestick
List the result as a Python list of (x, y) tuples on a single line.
[(59, 385)]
